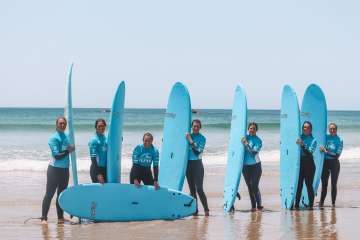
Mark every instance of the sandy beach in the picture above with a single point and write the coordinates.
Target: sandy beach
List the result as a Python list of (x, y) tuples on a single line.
[(22, 194)]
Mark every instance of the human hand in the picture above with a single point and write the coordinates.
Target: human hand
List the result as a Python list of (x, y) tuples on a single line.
[(100, 178), (71, 148), (299, 141), (137, 183), (156, 185)]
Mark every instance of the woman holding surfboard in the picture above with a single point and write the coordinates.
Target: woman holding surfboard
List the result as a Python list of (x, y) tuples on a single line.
[(195, 168), (252, 166), (307, 165), (58, 169), (98, 153), (143, 156), (332, 150)]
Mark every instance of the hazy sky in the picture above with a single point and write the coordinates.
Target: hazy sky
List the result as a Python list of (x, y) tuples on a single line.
[(209, 45)]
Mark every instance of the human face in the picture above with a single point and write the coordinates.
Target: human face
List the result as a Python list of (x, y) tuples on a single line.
[(332, 130), (61, 125), (252, 130), (306, 129), (147, 141), (100, 128), (196, 127)]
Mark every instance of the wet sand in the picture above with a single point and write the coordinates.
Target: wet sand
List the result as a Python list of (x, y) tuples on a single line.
[(22, 193)]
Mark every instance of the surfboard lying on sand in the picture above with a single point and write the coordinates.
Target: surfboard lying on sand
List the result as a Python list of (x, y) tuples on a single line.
[(125, 202)]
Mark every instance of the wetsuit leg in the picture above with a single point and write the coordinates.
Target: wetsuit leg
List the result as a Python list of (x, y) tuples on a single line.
[(51, 185), (134, 173), (191, 181), (324, 181), (93, 173), (198, 173), (247, 173), (256, 190), (147, 177), (300, 183), (309, 179), (62, 185), (335, 170)]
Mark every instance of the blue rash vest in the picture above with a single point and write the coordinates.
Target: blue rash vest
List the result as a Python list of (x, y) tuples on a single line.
[(144, 157), (59, 142), (196, 150), (98, 149), (252, 150), (334, 146)]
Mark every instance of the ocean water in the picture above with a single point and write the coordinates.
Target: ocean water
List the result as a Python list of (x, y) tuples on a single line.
[(24, 134)]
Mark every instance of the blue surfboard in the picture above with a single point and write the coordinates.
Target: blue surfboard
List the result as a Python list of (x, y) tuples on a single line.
[(314, 110), (115, 136), (125, 202), (175, 148), (235, 158), (289, 150), (70, 121)]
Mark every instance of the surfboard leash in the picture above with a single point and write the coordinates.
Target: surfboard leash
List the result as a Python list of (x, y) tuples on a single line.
[(32, 218)]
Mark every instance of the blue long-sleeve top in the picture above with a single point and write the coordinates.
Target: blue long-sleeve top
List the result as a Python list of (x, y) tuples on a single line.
[(196, 149), (252, 150), (98, 150), (58, 143), (145, 156), (334, 146), (309, 145)]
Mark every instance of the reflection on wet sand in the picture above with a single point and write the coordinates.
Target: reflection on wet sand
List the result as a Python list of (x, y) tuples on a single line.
[(309, 224), (46, 233), (253, 229)]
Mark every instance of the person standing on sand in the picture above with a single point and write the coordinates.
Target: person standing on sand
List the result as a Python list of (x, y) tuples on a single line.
[(143, 156), (195, 168), (332, 150), (98, 153), (58, 169), (252, 166), (307, 165)]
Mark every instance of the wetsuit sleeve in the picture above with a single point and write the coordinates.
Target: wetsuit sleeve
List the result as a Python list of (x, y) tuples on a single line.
[(136, 155), (198, 147), (156, 172), (55, 151), (339, 151), (93, 153), (156, 164)]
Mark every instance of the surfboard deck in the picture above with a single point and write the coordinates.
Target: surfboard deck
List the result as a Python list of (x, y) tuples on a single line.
[(175, 148), (70, 122), (125, 202), (289, 150), (235, 158), (314, 110), (113, 166)]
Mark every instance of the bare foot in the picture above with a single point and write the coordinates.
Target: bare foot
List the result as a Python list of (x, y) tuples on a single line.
[(61, 221), (207, 213), (44, 222)]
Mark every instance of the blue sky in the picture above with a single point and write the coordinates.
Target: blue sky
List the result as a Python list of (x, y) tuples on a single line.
[(209, 45)]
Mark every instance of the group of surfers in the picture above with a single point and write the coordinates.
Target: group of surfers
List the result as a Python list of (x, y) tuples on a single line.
[(146, 155)]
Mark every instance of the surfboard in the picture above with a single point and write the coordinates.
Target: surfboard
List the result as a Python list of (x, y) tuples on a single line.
[(113, 166), (125, 202), (70, 124), (235, 157), (289, 150), (314, 110), (175, 148)]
